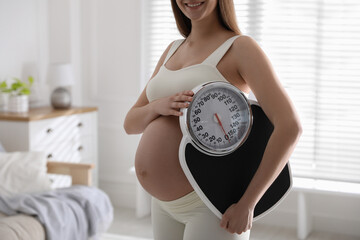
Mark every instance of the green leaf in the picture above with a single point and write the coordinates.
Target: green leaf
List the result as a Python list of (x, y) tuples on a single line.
[(31, 80), (16, 85), (25, 91), (19, 87), (3, 85)]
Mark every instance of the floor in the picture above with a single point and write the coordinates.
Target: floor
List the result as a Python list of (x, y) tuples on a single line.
[(127, 227)]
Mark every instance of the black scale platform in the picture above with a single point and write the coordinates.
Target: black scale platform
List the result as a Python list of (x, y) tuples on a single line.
[(224, 179)]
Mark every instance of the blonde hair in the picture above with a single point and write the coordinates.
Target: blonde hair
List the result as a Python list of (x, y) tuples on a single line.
[(226, 13)]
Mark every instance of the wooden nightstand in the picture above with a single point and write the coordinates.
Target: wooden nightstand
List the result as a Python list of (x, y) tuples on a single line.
[(65, 135)]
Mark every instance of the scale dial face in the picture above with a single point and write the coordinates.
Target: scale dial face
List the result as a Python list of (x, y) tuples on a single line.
[(219, 118)]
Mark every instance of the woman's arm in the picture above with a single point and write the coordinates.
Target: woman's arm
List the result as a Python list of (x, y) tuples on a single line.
[(143, 112), (140, 115), (256, 70)]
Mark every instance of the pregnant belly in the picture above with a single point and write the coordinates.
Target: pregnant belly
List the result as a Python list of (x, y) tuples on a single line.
[(157, 163)]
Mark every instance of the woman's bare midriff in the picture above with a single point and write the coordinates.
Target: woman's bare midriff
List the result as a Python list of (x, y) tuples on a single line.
[(157, 163)]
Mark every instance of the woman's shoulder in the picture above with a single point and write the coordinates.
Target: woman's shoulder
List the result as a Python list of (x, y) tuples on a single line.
[(245, 46), (245, 42)]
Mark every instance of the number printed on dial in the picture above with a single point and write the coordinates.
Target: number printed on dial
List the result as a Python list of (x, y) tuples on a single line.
[(219, 118)]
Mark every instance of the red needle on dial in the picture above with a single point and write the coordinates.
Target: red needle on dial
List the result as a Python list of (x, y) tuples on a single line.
[(218, 119)]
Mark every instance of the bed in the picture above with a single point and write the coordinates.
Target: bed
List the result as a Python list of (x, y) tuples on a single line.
[(17, 225)]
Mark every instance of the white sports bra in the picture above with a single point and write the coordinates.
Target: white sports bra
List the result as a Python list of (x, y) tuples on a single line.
[(168, 82)]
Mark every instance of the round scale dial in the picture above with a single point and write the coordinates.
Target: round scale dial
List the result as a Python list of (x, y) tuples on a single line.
[(219, 118)]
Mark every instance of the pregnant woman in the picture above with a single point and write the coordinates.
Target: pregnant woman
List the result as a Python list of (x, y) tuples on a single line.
[(213, 48)]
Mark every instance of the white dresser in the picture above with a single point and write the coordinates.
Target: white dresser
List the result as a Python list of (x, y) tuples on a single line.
[(65, 135)]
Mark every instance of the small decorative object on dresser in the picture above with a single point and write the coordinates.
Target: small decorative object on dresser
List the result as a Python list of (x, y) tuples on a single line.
[(60, 76), (68, 135), (15, 98)]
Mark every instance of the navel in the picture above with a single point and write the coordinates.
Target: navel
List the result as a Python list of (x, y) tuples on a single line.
[(142, 173)]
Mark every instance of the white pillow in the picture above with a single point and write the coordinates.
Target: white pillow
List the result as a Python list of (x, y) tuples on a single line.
[(23, 172)]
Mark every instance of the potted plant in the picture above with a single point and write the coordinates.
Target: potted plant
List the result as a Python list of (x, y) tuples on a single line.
[(19, 92)]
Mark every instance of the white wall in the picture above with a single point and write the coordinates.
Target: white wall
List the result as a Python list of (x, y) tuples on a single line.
[(64, 40), (34, 34), (18, 41), (111, 80), (59, 31), (329, 212), (23, 46)]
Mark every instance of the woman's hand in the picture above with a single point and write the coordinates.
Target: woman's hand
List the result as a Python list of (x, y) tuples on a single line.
[(171, 105), (238, 218)]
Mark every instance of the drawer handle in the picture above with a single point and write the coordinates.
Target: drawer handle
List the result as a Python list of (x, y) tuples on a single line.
[(80, 148), (49, 156), (49, 130), (80, 124)]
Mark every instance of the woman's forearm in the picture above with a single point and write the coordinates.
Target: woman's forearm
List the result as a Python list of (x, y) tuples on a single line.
[(277, 152), (138, 118)]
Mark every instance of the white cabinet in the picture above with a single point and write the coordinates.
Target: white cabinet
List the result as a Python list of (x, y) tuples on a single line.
[(64, 135)]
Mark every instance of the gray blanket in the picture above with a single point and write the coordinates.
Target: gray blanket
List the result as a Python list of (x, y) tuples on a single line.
[(74, 213)]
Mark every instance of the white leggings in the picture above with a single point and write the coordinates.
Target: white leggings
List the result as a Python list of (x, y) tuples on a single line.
[(188, 218)]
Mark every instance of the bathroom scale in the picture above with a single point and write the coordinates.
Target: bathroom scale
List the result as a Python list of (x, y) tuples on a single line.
[(224, 138)]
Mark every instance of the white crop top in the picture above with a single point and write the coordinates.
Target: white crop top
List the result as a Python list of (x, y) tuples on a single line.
[(168, 82)]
